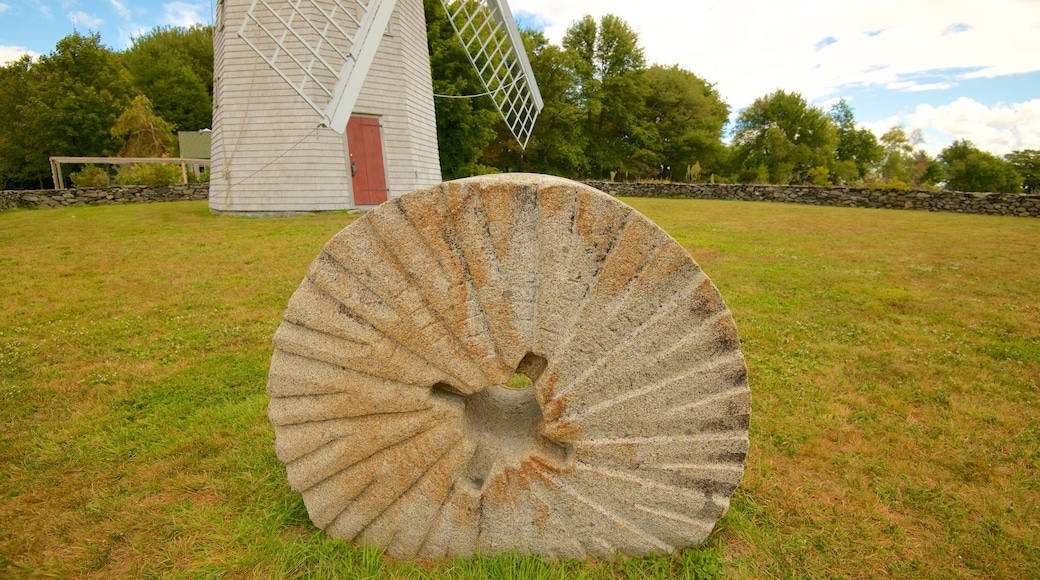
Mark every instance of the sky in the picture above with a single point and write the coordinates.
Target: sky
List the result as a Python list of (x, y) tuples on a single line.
[(955, 69)]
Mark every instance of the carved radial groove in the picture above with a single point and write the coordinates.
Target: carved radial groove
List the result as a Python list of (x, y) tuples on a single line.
[(388, 382)]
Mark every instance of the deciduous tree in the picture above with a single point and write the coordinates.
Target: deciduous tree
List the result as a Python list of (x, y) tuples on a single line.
[(902, 165), (858, 151), (465, 126), (970, 169), (75, 95), (144, 133), (557, 145), (16, 138), (686, 116), (608, 65), (173, 67), (1027, 164), (781, 139)]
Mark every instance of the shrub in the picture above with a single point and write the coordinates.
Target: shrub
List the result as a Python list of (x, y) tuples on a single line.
[(90, 176), (200, 177), (149, 174)]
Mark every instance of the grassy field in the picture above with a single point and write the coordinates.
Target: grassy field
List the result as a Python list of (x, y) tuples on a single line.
[(894, 359)]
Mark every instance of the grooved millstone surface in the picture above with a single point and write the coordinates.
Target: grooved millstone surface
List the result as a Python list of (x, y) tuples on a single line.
[(388, 394)]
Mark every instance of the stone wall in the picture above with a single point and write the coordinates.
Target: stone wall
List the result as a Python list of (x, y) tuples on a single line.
[(41, 198), (923, 200)]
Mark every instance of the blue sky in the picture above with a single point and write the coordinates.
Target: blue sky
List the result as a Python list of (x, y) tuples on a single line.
[(956, 69), (36, 25)]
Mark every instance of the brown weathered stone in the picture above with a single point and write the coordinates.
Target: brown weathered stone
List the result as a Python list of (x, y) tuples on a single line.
[(387, 383)]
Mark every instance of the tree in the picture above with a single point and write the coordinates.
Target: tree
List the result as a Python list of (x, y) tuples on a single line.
[(858, 151), (901, 165), (465, 126), (687, 117), (557, 144), (75, 95), (144, 133), (173, 67), (970, 169), (781, 139), (15, 132), (611, 93), (1027, 164)]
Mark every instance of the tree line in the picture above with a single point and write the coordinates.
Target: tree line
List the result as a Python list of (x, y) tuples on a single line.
[(86, 100), (608, 115)]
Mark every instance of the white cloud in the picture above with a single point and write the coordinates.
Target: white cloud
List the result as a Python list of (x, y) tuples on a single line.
[(83, 19), (917, 87), (121, 10), (999, 129), (12, 53), (128, 28), (753, 47), (4, 8), (184, 14), (44, 9)]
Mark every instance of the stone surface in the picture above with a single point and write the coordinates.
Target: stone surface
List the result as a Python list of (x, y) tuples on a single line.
[(1008, 204), (388, 380), (45, 198)]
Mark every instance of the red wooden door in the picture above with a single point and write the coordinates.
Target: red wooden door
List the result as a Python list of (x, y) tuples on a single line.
[(364, 142)]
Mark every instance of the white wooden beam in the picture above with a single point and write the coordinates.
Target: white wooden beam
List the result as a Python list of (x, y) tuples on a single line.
[(359, 61)]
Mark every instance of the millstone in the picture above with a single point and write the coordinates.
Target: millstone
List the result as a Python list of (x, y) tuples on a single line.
[(510, 362)]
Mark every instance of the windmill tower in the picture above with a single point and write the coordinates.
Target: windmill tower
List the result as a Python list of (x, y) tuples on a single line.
[(328, 104)]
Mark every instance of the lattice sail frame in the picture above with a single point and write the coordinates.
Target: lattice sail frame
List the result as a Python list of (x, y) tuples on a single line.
[(494, 46), (323, 49)]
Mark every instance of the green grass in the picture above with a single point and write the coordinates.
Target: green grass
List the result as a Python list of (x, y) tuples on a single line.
[(894, 358)]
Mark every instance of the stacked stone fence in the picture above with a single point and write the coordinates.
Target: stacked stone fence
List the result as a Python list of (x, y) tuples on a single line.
[(43, 198), (1008, 204)]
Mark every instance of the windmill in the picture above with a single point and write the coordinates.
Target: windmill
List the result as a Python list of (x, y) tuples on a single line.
[(328, 104)]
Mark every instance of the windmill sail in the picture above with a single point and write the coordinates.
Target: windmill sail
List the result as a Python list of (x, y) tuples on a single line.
[(492, 41), (323, 49)]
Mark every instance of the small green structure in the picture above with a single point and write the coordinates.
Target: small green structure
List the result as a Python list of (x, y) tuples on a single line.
[(194, 144)]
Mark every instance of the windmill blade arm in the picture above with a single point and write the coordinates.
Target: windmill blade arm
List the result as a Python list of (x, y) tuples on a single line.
[(359, 61), (502, 13), (493, 43)]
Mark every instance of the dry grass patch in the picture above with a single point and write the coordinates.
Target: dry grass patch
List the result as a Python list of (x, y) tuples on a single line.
[(894, 363)]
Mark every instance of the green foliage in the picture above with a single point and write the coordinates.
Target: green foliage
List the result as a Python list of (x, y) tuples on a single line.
[(90, 176), (1027, 165), (685, 116), (69, 100), (857, 151), (902, 166), (15, 130), (969, 169), (557, 144), (67, 103), (149, 174), (173, 67), (781, 139), (693, 173), (464, 126), (145, 134), (611, 93)]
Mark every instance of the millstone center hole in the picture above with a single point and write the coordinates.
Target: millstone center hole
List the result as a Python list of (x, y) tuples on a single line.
[(519, 381), (508, 427)]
